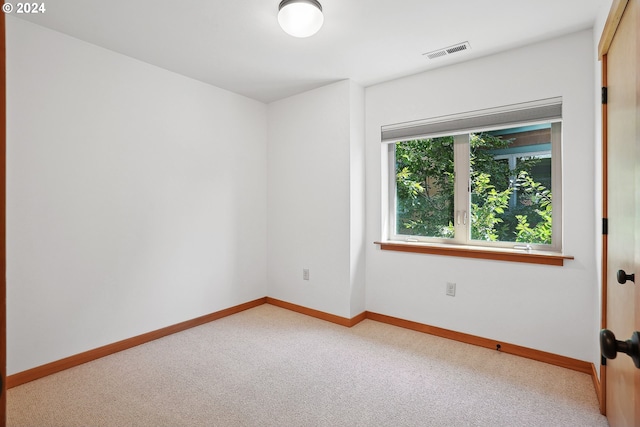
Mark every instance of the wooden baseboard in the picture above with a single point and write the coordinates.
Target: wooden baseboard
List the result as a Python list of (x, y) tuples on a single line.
[(596, 384), (344, 321), (529, 353), (601, 389), (540, 356), (78, 359), (69, 362)]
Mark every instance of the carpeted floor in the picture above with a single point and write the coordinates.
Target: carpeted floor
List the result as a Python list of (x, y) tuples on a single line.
[(272, 367)]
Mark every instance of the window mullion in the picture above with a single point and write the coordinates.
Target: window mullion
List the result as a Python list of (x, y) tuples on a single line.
[(461, 165), (556, 185)]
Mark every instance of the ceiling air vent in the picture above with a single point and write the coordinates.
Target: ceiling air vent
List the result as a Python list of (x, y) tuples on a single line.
[(460, 47)]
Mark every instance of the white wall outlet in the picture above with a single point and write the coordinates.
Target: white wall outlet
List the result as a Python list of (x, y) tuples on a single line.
[(451, 289), (305, 274)]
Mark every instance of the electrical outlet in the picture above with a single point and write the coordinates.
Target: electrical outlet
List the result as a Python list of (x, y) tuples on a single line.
[(305, 274), (451, 289)]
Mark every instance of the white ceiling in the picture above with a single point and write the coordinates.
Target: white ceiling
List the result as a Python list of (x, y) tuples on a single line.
[(238, 45)]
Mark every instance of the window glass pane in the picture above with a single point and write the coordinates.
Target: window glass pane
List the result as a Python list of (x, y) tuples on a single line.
[(424, 173), (511, 185)]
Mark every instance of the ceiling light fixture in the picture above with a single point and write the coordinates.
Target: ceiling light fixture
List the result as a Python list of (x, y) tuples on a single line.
[(300, 18)]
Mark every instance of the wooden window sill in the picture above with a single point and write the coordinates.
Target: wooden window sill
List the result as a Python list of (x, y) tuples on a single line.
[(498, 254)]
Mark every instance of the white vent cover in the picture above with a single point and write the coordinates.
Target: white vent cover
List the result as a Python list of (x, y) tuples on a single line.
[(460, 47)]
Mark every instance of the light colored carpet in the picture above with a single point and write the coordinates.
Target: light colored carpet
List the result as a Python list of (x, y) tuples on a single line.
[(272, 367)]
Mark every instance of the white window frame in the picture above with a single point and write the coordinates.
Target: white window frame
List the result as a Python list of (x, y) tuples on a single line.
[(462, 198)]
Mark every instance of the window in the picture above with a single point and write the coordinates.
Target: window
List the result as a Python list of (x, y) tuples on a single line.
[(488, 178)]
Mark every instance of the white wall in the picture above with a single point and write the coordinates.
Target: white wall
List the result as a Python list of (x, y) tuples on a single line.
[(314, 196), (136, 198), (542, 307)]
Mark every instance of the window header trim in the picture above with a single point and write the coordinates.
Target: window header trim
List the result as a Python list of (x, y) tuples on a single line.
[(544, 110)]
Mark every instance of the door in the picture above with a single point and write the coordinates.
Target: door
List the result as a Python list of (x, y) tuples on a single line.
[(621, 296)]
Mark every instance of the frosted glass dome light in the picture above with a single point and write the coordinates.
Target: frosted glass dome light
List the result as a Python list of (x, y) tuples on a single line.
[(300, 18)]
